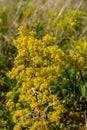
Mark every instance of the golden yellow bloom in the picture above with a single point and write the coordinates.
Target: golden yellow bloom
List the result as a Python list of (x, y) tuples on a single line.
[(37, 63)]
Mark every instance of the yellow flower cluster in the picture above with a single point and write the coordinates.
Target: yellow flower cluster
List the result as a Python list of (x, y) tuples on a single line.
[(82, 47), (68, 21), (78, 53), (76, 59), (37, 63)]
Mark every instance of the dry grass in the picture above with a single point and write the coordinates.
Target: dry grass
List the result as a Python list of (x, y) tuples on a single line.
[(41, 9)]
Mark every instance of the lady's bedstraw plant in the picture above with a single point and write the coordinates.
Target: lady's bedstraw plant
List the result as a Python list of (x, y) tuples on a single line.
[(50, 77), (37, 64)]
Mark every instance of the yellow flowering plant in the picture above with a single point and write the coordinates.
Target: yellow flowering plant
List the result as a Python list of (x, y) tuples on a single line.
[(67, 25), (37, 64), (46, 86), (44, 76), (47, 83), (49, 75)]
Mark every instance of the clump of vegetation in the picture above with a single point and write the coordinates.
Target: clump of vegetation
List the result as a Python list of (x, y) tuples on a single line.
[(43, 70)]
